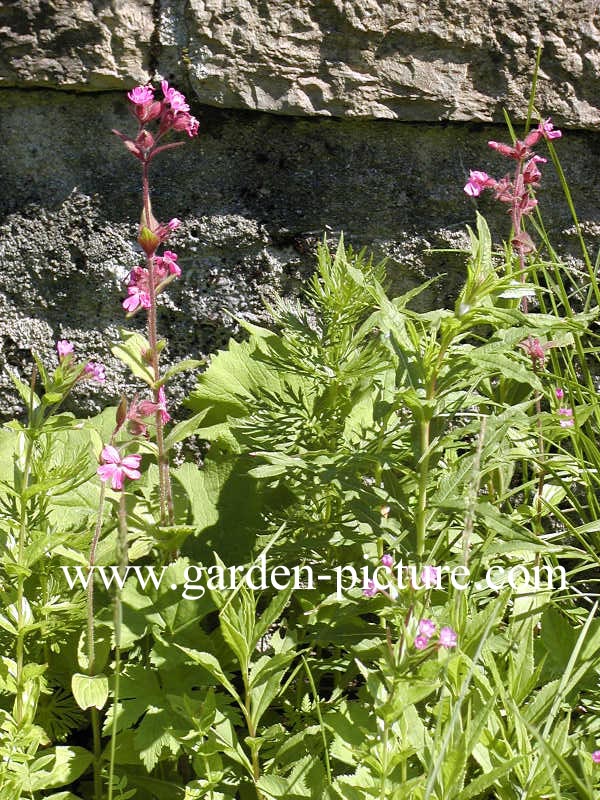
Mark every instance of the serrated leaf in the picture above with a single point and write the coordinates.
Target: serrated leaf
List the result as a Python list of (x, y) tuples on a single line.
[(273, 785), (153, 735)]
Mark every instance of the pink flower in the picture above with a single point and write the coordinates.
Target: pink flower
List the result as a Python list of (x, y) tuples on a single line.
[(115, 469), (192, 126), (370, 590), (96, 371), (137, 299), (173, 224), (185, 122), (519, 151), (141, 95), (173, 99), (531, 173), (162, 406), (546, 128), (535, 350), (566, 414), (478, 181), (64, 348), (448, 637), (429, 576), (427, 627), (387, 560), (135, 419), (166, 265), (596, 756), (559, 394), (421, 642)]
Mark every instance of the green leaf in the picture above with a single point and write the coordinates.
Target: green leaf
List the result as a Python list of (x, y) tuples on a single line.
[(25, 391), (153, 735), (132, 352), (66, 765), (182, 366), (183, 429), (273, 785), (210, 663), (478, 787), (90, 691)]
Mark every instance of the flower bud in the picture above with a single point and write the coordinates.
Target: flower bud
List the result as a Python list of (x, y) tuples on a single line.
[(148, 112), (148, 241), (145, 140)]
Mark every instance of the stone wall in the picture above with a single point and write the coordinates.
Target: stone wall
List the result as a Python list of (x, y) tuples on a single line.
[(317, 116)]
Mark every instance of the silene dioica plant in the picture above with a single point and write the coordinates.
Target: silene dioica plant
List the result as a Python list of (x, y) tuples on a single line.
[(357, 453)]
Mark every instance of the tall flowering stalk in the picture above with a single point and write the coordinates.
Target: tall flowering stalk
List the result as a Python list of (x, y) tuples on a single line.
[(171, 113), (517, 191), (514, 189)]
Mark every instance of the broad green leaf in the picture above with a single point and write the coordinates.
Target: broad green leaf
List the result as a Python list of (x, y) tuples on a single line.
[(274, 786), (65, 765), (90, 691), (183, 429), (132, 353)]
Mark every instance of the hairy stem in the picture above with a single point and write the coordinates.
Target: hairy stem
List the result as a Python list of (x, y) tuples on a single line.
[(123, 559), (91, 647), (165, 492)]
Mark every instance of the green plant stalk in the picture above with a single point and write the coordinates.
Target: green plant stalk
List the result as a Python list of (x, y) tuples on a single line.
[(95, 717), (123, 558), (384, 762), (20, 644), (542, 475), (251, 731), (313, 689), (422, 491)]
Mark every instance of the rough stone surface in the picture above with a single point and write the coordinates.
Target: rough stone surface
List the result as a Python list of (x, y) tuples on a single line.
[(255, 192), (75, 44), (395, 59), (380, 112)]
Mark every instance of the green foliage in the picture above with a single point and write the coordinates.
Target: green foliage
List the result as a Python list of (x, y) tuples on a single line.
[(354, 427)]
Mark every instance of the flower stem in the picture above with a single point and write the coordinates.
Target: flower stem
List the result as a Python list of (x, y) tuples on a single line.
[(95, 717), (165, 492), (123, 559)]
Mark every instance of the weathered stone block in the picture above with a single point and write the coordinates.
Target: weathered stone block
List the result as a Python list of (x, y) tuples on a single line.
[(75, 44), (395, 59)]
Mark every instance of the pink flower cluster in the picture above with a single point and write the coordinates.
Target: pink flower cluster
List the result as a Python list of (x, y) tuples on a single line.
[(427, 628), (92, 369), (536, 351), (514, 189), (565, 417), (172, 113), (138, 289)]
